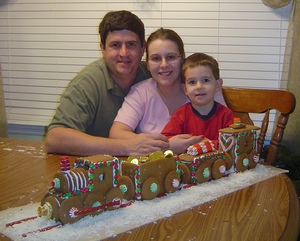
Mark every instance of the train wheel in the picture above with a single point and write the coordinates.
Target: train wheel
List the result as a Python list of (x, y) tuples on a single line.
[(49, 208), (114, 194), (92, 201), (68, 208), (172, 181), (228, 161), (126, 185), (203, 173), (150, 188), (242, 162), (253, 159), (218, 169), (185, 173)]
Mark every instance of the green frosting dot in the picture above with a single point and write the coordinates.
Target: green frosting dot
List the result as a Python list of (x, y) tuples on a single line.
[(245, 162), (153, 187), (206, 172), (96, 204), (56, 182), (123, 188)]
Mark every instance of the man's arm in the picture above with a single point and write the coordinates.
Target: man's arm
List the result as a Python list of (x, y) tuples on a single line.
[(72, 142)]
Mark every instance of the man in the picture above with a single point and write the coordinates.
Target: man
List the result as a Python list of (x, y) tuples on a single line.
[(90, 103)]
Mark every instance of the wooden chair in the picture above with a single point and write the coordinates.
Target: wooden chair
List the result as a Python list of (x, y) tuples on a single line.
[(244, 101)]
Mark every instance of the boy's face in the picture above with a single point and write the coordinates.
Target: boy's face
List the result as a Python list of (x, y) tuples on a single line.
[(200, 86), (122, 53)]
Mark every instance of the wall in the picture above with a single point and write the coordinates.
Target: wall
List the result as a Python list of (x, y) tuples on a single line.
[(43, 44)]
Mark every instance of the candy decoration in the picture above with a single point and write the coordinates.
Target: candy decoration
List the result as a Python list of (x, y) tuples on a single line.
[(20, 221), (65, 164), (24, 235), (223, 140), (200, 148), (236, 121), (153, 187), (175, 183)]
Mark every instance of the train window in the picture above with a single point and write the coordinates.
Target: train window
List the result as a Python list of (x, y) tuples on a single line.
[(101, 177)]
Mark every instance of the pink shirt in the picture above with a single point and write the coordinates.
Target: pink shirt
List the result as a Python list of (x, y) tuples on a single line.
[(144, 111)]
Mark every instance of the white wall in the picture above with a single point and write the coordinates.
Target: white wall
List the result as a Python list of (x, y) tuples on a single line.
[(44, 43)]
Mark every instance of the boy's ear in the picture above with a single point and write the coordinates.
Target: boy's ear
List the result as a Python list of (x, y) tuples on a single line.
[(219, 84)]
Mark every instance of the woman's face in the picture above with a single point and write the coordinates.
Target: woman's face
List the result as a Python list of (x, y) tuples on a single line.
[(164, 62)]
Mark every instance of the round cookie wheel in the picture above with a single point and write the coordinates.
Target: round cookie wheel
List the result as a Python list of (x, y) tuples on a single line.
[(218, 169), (242, 162), (228, 161), (94, 200), (114, 194), (53, 204), (253, 159), (150, 188), (67, 210), (203, 173), (126, 186), (172, 181), (185, 173)]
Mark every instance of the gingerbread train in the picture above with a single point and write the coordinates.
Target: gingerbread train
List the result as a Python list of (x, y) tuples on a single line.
[(102, 182)]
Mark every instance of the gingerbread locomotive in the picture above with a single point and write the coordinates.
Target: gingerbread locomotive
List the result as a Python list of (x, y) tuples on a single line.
[(102, 182)]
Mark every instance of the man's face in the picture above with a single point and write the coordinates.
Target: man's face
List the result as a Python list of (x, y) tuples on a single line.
[(122, 53)]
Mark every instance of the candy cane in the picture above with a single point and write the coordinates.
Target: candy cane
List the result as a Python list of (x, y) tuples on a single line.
[(222, 137)]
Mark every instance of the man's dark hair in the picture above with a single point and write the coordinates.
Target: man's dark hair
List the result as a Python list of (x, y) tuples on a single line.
[(120, 20)]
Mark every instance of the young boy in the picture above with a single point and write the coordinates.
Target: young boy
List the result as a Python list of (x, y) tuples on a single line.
[(202, 116)]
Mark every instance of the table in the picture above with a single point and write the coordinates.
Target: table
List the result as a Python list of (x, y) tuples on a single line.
[(240, 215)]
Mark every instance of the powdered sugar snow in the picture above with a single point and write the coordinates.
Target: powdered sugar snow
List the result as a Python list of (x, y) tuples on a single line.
[(111, 223)]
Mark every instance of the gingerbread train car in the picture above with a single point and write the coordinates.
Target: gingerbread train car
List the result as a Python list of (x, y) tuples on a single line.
[(236, 153), (102, 182)]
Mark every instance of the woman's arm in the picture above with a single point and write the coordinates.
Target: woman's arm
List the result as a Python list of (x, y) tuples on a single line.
[(121, 130)]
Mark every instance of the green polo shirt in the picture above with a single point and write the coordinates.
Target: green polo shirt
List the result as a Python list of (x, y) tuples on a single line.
[(92, 99)]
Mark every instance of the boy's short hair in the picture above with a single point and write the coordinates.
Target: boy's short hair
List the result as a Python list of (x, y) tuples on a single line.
[(120, 20), (200, 59)]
